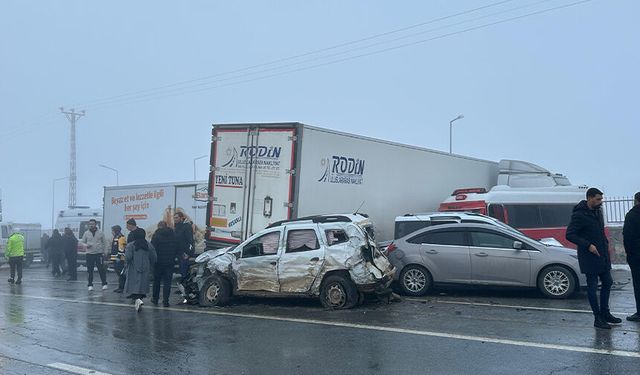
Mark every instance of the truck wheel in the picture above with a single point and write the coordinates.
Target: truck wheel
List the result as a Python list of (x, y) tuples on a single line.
[(215, 291), (556, 282), (338, 292), (415, 280)]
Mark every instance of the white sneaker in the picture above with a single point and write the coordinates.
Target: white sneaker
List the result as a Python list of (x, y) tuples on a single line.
[(104, 287), (139, 304), (90, 289)]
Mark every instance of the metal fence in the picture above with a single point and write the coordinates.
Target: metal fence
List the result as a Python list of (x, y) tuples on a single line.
[(616, 208)]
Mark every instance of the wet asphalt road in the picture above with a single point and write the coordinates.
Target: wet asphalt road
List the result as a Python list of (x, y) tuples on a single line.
[(50, 326)]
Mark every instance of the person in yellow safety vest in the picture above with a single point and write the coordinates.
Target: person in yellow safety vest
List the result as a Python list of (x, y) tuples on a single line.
[(117, 255), (15, 254)]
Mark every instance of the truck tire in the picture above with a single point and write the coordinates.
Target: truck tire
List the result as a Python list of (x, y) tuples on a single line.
[(338, 292), (215, 291), (556, 282), (415, 280)]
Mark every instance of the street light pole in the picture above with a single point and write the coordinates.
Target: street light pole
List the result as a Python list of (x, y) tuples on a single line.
[(194, 165), (113, 169), (451, 131), (53, 199)]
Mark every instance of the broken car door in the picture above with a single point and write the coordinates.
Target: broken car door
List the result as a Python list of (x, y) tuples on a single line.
[(257, 267), (301, 260)]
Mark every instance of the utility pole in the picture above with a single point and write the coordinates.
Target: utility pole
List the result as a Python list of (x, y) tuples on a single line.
[(72, 116)]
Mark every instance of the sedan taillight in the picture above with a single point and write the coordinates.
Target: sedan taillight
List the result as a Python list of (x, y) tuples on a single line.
[(391, 248)]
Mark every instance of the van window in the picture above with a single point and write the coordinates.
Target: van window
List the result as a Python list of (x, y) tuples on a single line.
[(523, 216), (497, 211)]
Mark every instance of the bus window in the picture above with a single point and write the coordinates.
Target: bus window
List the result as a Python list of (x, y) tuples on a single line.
[(523, 216), (497, 211), (556, 215)]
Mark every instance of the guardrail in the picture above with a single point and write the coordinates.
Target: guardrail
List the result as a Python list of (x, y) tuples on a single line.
[(616, 208)]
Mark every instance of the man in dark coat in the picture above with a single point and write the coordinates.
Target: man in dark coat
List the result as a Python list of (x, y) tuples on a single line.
[(184, 236), (164, 241), (586, 230), (70, 246), (631, 237)]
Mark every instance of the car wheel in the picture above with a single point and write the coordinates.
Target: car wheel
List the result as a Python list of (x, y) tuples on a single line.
[(215, 291), (556, 282), (338, 292), (415, 280)]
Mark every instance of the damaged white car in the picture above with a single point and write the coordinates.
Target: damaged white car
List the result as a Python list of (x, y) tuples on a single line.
[(332, 257)]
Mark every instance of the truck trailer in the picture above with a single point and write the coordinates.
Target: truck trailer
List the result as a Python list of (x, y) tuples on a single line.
[(267, 172), (150, 203), (31, 232)]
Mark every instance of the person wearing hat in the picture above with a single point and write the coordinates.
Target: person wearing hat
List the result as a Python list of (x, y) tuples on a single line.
[(15, 253)]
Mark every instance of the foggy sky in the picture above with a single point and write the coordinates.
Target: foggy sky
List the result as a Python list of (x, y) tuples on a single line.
[(558, 89)]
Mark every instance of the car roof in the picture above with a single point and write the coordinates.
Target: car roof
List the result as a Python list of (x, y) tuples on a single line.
[(332, 218), (457, 226), (443, 215)]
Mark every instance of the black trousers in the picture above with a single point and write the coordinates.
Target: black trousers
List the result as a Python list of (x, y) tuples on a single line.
[(634, 264), (605, 289), (72, 264), (95, 260), (16, 263), (56, 261), (162, 273)]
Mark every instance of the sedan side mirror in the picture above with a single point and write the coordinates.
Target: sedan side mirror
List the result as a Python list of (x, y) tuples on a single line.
[(517, 245)]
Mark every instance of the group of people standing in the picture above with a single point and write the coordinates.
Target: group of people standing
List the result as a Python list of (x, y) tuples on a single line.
[(586, 230), (136, 260), (61, 253)]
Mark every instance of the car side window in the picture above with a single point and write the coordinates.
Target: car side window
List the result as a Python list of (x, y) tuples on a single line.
[(449, 238), (301, 240), (336, 236), (487, 239), (266, 244)]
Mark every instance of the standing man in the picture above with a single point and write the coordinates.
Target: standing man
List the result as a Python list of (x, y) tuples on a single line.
[(631, 237), (164, 241), (117, 255), (586, 230), (132, 227), (94, 239), (70, 245), (184, 237), (15, 253)]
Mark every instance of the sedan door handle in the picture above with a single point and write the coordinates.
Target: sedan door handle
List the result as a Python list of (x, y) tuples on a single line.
[(481, 254), (273, 263), (314, 259), (431, 251)]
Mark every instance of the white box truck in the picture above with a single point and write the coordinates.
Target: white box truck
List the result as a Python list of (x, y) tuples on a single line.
[(150, 203), (263, 173)]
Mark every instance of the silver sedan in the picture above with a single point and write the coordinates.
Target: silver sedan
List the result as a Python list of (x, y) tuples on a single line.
[(481, 254)]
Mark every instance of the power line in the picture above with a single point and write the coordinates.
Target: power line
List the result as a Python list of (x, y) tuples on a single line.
[(189, 90), (314, 52)]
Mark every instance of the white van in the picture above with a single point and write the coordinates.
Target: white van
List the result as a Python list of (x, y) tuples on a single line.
[(77, 219)]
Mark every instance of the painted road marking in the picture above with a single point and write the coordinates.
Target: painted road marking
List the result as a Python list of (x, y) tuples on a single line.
[(75, 369), (520, 307), (481, 339)]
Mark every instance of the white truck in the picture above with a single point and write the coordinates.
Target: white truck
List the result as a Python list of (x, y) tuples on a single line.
[(32, 233), (150, 203), (263, 173)]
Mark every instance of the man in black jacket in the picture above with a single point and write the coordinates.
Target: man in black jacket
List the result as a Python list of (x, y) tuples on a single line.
[(631, 237), (184, 236), (164, 241), (586, 230)]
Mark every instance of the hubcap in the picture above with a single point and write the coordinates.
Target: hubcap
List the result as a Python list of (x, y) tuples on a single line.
[(336, 295), (212, 292), (415, 280), (556, 283)]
